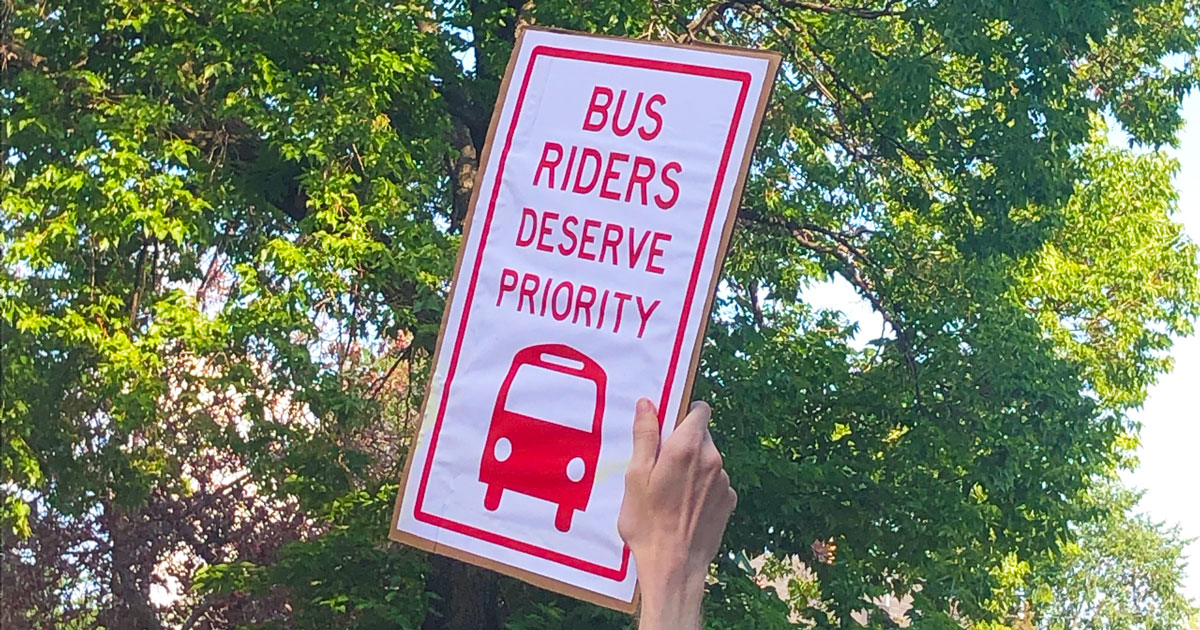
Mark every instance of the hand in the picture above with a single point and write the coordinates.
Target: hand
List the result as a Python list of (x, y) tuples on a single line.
[(677, 503)]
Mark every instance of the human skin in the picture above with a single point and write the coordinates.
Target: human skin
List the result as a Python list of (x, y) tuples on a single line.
[(677, 503)]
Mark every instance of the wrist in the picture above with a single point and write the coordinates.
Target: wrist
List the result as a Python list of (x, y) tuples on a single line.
[(671, 598)]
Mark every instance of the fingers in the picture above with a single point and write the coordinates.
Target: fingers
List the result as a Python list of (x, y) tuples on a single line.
[(710, 458), (645, 438), (694, 427)]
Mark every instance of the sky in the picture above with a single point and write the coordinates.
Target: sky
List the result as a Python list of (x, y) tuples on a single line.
[(1169, 455), (1169, 472)]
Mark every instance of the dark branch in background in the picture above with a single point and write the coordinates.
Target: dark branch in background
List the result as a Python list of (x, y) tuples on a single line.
[(10, 49), (840, 134), (840, 246), (866, 13), (915, 154), (198, 612), (468, 128), (470, 118), (815, 63), (713, 12), (18, 56), (377, 386), (707, 17), (752, 290), (520, 11), (465, 101), (462, 168), (190, 12), (452, 87), (135, 296), (463, 110), (851, 261)]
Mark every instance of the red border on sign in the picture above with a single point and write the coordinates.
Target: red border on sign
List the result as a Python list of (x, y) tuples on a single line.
[(617, 574)]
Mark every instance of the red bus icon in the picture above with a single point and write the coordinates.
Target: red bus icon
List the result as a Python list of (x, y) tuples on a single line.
[(551, 455)]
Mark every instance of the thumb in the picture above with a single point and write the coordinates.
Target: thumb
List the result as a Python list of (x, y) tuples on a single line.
[(645, 437)]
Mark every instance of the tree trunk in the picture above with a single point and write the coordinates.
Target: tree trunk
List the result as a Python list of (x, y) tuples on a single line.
[(468, 598), (128, 582)]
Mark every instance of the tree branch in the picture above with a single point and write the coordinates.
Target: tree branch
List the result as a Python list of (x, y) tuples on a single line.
[(462, 169), (19, 56), (713, 12), (707, 17), (858, 12), (849, 256), (197, 612), (752, 290)]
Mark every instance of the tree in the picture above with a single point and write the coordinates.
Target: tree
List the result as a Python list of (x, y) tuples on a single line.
[(228, 227), (1122, 572)]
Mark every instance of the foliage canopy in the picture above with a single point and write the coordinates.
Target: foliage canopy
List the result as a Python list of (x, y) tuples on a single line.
[(228, 227)]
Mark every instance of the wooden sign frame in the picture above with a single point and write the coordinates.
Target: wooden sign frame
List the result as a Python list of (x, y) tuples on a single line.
[(773, 60)]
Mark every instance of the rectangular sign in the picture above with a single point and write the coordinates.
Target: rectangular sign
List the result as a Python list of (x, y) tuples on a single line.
[(607, 190)]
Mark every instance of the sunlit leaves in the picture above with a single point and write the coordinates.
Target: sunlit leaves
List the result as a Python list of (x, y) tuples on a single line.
[(228, 229)]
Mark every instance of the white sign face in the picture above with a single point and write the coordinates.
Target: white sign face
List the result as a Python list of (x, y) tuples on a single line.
[(585, 279)]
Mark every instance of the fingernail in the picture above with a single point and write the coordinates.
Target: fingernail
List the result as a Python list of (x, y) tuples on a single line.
[(645, 406)]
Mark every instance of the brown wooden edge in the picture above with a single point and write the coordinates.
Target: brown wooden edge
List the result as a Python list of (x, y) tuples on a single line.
[(773, 60)]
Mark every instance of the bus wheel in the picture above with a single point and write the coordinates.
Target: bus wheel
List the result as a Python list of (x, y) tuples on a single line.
[(491, 500), (562, 519)]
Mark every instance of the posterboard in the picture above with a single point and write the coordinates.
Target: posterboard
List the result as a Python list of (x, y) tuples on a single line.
[(606, 194)]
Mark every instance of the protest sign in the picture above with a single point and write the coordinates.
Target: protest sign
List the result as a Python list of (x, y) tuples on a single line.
[(607, 191)]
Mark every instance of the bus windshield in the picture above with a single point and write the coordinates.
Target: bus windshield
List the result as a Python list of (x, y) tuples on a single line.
[(553, 396)]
